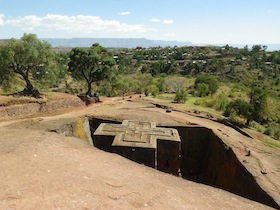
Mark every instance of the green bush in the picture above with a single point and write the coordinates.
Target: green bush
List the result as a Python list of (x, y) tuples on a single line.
[(202, 89), (277, 134), (240, 108), (153, 89), (218, 102), (206, 85), (221, 102), (180, 96)]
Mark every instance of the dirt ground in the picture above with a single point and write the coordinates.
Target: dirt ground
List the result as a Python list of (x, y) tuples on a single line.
[(46, 170)]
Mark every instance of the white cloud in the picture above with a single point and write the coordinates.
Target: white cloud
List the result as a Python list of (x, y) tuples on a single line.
[(2, 19), (168, 22), (80, 23), (124, 13), (170, 35), (155, 20)]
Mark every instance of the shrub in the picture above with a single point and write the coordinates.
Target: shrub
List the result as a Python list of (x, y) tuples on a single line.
[(221, 102), (180, 96), (153, 89), (277, 134), (206, 84), (202, 89), (241, 108)]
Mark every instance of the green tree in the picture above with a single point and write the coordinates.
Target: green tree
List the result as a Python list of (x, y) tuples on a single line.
[(160, 84), (245, 51), (92, 65), (116, 85), (153, 89), (256, 109), (202, 89), (180, 96), (29, 58), (240, 108), (258, 101), (216, 65), (206, 84), (256, 49)]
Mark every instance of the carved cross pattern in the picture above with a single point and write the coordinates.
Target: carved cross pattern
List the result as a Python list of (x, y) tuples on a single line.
[(137, 134)]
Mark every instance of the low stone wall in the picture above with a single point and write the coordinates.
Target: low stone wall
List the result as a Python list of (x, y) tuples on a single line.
[(22, 110), (19, 110), (60, 104)]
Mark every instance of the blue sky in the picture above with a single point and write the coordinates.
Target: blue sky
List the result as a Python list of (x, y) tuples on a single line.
[(197, 21)]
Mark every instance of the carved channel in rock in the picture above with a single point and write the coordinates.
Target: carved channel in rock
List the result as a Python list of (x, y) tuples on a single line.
[(203, 157)]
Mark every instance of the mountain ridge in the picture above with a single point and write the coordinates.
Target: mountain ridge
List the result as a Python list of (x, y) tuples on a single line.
[(134, 42), (113, 42)]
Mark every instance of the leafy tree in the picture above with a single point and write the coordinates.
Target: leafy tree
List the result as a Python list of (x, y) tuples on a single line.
[(202, 89), (153, 90), (29, 58), (240, 108), (157, 68), (254, 110), (245, 51), (58, 72), (258, 102), (116, 85), (221, 101), (160, 84), (143, 81), (216, 65), (145, 69), (180, 96), (91, 65), (207, 84), (256, 49), (275, 57)]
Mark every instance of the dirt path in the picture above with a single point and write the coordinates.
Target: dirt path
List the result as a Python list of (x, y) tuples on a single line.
[(43, 170)]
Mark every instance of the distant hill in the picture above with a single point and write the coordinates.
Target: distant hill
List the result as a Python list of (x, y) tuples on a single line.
[(113, 42), (131, 43), (270, 47)]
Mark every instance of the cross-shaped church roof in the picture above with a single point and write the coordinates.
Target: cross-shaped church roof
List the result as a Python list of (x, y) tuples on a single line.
[(137, 133)]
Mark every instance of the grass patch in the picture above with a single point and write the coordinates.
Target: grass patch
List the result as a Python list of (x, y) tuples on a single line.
[(165, 97), (14, 100), (10, 100), (267, 140), (188, 106), (273, 143)]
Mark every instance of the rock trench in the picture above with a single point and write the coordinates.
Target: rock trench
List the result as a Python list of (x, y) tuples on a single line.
[(204, 158)]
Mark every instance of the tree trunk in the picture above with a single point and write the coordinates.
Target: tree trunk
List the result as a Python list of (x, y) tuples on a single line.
[(247, 122), (29, 87), (88, 93), (29, 90)]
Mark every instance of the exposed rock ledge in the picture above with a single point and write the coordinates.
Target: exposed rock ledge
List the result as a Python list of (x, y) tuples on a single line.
[(30, 109)]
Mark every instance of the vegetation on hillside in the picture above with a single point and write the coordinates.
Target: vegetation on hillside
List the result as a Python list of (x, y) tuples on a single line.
[(92, 65), (243, 84), (29, 59)]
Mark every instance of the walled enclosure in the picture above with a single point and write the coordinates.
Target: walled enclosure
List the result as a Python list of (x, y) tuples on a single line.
[(204, 158)]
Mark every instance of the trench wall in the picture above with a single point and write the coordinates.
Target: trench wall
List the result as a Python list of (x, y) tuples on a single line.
[(204, 158)]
